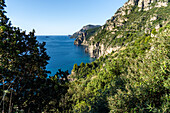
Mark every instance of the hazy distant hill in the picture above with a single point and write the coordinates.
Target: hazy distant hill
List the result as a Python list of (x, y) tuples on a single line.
[(83, 30)]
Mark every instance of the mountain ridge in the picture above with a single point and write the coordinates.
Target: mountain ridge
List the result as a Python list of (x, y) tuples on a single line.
[(97, 46)]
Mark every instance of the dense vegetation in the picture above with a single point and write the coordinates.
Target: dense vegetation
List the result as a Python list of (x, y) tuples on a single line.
[(135, 78), (24, 85)]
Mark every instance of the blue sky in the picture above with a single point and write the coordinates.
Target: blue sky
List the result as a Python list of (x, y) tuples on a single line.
[(60, 17)]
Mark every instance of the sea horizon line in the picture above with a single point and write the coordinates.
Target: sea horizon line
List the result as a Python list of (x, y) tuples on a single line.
[(52, 35)]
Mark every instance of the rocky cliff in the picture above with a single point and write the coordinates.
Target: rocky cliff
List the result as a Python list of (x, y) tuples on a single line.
[(81, 35), (136, 17), (132, 6)]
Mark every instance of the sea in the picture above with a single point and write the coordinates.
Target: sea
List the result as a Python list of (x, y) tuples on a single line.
[(63, 53)]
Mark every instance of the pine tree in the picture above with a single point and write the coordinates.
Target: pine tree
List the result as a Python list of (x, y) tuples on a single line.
[(82, 64), (75, 68), (3, 17)]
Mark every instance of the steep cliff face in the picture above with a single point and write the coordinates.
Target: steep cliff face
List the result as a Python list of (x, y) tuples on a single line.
[(81, 39), (82, 35), (136, 17), (148, 4), (132, 6)]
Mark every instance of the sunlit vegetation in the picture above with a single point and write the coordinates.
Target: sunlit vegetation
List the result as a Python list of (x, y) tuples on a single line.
[(134, 79)]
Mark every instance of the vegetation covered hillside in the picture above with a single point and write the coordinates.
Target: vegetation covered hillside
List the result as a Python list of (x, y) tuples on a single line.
[(131, 73), (135, 76), (130, 21)]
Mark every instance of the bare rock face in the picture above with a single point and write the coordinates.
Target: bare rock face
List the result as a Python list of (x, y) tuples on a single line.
[(81, 40), (147, 4), (81, 35), (144, 4), (154, 17), (118, 19), (97, 50), (132, 2), (162, 4)]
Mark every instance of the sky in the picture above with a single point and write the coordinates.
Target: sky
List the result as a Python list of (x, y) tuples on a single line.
[(60, 17)]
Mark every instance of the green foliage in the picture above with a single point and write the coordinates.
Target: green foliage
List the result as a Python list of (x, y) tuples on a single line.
[(154, 31), (134, 79), (24, 85), (82, 65), (75, 67)]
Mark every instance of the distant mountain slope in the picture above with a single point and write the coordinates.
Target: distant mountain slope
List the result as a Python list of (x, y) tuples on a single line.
[(83, 35), (83, 30)]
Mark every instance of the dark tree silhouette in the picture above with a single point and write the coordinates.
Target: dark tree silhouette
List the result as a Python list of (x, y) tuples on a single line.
[(23, 76)]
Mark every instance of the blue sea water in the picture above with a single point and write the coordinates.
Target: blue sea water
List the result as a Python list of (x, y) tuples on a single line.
[(64, 54)]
